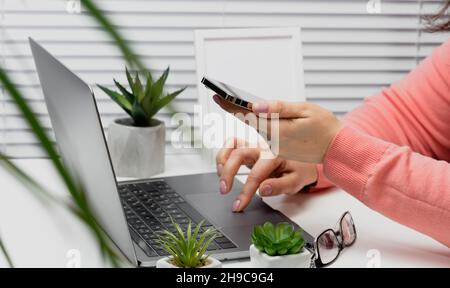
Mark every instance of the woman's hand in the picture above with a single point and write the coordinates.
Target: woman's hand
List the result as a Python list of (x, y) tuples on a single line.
[(305, 130), (272, 176)]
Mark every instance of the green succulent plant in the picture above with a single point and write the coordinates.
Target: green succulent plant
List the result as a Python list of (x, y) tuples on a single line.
[(279, 239), (187, 250), (145, 99)]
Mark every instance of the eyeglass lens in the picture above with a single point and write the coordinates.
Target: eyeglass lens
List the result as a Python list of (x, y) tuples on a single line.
[(328, 246), (348, 230)]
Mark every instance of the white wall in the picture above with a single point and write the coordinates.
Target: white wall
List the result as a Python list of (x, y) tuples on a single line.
[(348, 53)]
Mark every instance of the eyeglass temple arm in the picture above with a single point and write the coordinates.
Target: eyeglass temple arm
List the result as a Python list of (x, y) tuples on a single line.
[(310, 248)]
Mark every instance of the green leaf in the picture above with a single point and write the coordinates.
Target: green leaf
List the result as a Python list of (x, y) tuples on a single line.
[(279, 239), (283, 231), (158, 86), (139, 116), (205, 247), (139, 93), (6, 254), (164, 101), (170, 239), (208, 234), (130, 97), (149, 97), (262, 238), (270, 251), (254, 237), (153, 97), (260, 248), (148, 84), (130, 81), (297, 248), (269, 231), (135, 85), (118, 98), (194, 235)]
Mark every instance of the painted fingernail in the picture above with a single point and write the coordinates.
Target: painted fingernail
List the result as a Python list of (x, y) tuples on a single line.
[(216, 99), (236, 205), (223, 187), (266, 190), (219, 169), (261, 107)]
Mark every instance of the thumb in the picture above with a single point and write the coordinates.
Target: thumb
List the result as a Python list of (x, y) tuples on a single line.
[(280, 109), (286, 184)]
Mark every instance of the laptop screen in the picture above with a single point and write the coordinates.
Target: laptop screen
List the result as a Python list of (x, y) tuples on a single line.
[(81, 142)]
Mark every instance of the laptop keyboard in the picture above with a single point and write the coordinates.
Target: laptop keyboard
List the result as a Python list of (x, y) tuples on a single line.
[(149, 208)]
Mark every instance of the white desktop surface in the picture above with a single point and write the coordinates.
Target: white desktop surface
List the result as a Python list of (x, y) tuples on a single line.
[(39, 236)]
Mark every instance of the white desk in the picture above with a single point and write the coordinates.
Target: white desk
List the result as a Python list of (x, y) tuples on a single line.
[(37, 236)]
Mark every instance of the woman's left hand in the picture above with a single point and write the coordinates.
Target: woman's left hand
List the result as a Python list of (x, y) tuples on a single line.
[(305, 130)]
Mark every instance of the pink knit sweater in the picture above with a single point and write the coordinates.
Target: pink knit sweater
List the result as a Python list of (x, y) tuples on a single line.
[(394, 152)]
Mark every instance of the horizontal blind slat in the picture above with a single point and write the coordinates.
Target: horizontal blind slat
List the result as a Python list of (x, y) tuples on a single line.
[(208, 7), (208, 21), (116, 65), (187, 50), (189, 78), (151, 34)]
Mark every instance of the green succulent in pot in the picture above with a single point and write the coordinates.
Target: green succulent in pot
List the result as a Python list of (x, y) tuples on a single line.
[(188, 248), (137, 143), (145, 99), (277, 240)]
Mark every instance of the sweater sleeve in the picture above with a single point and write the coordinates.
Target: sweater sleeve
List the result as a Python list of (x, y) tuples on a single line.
[(393, 153), (405, 186), (412, 112)]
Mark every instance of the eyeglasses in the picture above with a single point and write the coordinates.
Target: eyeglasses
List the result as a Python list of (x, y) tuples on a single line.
[(329, 244)]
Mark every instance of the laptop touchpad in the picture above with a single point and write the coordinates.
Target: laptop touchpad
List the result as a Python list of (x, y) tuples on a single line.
[(218, 209)]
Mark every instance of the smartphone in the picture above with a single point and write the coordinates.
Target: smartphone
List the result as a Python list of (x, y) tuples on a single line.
[(231, 94)]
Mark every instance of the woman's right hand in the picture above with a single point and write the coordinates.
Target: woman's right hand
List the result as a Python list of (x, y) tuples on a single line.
[(272, 176)]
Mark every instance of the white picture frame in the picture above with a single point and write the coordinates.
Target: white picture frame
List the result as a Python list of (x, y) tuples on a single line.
[(266, 62)]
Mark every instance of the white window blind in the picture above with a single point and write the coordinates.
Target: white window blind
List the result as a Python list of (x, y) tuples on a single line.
[(348, 53)]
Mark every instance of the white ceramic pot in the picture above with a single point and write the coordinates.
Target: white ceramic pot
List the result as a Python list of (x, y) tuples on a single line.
[(136, 152), (211, 263), (259, 259)]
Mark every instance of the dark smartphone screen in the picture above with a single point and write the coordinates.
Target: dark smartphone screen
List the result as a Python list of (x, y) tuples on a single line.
[(231, 94)]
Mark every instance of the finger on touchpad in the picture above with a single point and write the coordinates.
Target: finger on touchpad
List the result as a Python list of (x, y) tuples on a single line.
[(218, 209)]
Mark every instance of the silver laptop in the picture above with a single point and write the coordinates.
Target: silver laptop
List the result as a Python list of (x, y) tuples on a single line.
[(133, 212)]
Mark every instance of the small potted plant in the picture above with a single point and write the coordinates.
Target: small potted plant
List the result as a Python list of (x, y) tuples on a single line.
[(137, 143), (188, 249), (277, 246)]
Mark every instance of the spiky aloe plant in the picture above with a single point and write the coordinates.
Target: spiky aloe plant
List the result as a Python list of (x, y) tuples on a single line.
[(144, 100), (188, 249), (280, 239)]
